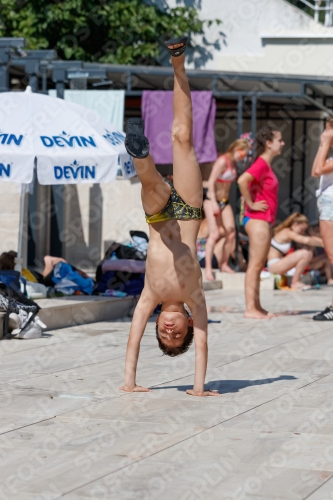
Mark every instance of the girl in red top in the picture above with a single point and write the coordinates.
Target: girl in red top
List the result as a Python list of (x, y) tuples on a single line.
[(259, 187)]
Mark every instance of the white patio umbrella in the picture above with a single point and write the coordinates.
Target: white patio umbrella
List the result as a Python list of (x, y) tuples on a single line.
[(68, 144)]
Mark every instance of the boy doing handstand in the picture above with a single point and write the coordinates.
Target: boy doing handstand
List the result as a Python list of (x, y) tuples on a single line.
[(173, 274)]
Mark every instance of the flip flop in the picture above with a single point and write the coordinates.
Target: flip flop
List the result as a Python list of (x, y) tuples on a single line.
[(301, 288), (136, 144), (174, 41)]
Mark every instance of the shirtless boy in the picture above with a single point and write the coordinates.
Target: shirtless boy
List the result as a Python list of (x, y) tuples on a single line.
[(173, 275)]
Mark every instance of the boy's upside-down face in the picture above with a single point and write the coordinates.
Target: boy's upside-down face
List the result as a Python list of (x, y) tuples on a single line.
[(174, 332)]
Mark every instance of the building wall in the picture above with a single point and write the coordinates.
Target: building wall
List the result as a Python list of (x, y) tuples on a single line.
[(239, 46), (10, 210), (97, 214)]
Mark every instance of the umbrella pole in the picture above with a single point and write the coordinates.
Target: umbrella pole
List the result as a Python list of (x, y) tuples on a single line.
[(20, 250)]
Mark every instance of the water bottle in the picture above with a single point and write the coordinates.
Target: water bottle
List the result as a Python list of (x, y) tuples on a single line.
[(315, 275)]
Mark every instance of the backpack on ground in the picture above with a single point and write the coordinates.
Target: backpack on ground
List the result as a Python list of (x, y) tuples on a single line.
[(122, 252), (15, 302)]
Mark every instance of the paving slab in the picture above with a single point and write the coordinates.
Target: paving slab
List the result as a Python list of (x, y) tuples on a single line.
[(66, 431)]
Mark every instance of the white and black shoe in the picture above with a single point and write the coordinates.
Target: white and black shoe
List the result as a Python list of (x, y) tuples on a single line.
[(326, 315)]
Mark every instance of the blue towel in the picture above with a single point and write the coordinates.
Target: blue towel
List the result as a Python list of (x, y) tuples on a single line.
[(63, 270)]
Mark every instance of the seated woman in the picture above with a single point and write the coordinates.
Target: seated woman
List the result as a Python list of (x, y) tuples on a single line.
[(279, 261)]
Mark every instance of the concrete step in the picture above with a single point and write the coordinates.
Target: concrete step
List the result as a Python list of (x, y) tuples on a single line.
[(64, 312), (235, 281)]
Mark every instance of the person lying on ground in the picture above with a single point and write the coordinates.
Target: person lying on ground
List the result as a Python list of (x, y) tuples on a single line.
[(7, 261), (291, 230), (173, 275)]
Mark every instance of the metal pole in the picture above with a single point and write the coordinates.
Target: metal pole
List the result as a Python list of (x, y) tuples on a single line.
[(303, 162), (20, 250), (254, 117), (237, 207), (44, 81), (240, 116), (33, 82), (327, 13), (129, 82), (292, 162), (60, 87), (316, 11)]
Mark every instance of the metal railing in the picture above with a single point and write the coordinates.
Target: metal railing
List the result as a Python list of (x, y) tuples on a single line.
[(319, 6)]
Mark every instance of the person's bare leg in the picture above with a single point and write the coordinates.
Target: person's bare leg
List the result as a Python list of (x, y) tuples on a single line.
[(228, 222), (328, 272), (298, 259), (213, 237), (187, 177), (326, 230), (259, 233), (218, 250), (49, 263), (305, 259), (155, 192)]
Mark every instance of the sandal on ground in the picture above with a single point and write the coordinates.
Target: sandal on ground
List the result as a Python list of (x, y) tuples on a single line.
[(303, 288), (175, 41), (136, 144)]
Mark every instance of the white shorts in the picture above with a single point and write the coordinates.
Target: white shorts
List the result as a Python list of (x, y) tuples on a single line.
[(272, 261), (291, 272), (325, 206)]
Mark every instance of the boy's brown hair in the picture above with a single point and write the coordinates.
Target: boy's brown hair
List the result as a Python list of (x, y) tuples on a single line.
[(175, 351)]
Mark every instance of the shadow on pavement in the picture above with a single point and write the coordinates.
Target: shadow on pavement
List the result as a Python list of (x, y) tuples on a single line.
[(228, 386)]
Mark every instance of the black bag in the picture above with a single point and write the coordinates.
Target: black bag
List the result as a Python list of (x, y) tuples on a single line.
[(14, 302), (122, 252)]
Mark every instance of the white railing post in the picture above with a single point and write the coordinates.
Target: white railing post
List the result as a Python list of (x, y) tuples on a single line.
[(316, 11), (330, 12), (327, 12)]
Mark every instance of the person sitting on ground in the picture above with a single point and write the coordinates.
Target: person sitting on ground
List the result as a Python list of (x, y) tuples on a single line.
[(173, 275), (293, 229)]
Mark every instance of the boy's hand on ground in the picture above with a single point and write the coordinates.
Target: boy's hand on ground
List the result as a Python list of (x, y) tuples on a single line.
[(192, 392), (136, 388)]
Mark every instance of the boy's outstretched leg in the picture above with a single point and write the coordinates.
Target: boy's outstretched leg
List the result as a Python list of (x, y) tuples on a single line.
[(186, 172), (155, 192)]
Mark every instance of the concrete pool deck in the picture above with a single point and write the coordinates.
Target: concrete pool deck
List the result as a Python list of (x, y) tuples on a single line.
[(66, 431)]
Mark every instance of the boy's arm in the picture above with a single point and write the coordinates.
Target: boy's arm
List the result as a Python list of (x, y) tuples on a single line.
[(199, 311), (143, 310)]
